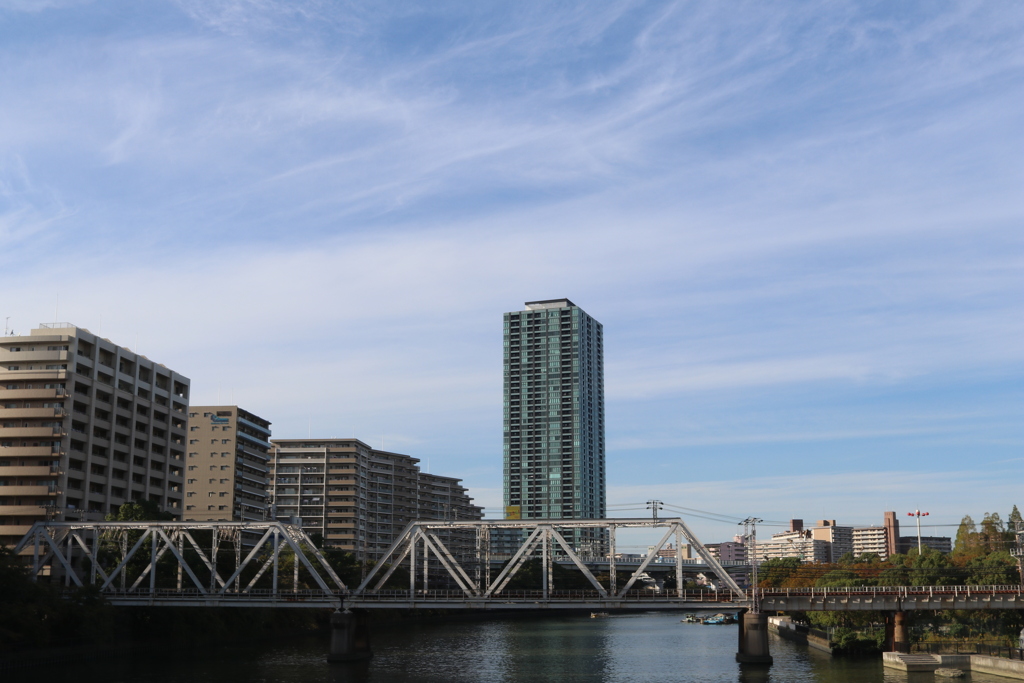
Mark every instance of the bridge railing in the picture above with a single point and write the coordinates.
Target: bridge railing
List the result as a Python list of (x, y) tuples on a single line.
[(906, 591)]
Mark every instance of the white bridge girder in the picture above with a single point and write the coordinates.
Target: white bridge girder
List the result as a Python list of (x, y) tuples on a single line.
[(542, 536), (55, 545)]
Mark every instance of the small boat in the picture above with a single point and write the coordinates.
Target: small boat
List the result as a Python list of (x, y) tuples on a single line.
[(690, 619), (595, 615), (720, 619)]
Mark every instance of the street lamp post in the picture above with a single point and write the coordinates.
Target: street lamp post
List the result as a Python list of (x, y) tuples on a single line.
[(919, 515)]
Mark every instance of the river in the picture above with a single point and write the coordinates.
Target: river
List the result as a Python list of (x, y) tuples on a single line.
[(645, 648)]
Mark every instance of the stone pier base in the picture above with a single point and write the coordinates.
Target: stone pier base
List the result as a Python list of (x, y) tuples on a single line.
[(350, 637), (753, 639)]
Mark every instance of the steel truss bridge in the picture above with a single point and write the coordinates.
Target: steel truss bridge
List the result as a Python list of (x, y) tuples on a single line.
[(271, 564)]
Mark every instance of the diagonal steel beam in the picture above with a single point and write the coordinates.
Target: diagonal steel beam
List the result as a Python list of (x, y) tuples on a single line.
[(394, 565), (717, 568), (401, 538), (252, 553), (643, 565), (181, 562), (516, 562), (579, 563), (95, 567), (124, 562), (451, 565), (63, 560)]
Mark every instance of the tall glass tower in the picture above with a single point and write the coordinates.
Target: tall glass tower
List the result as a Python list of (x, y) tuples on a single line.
[(554, 416)]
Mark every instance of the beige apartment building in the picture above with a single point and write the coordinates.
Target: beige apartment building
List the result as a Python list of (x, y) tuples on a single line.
[(227, 465), (358, 498), (85, 425), (839, 538)]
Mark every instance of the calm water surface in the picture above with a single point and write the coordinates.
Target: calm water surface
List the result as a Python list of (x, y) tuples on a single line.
[(642, 648)]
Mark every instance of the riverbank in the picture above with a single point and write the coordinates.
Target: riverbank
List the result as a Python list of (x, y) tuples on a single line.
[(996, 666)]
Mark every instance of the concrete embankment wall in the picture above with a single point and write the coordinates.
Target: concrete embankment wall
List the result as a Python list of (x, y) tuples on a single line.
[(786, 629), (997, 666), (1009, 668)]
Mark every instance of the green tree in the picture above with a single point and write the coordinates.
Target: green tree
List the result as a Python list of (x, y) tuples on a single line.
[(966, 536), (992, 532), (932, 568), (998, 568), (840, 578), (775, 572), (140, 511)]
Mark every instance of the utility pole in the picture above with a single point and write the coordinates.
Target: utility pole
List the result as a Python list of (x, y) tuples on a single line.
[(750, 540), (654, 506), (1018, 551), (919, 515)]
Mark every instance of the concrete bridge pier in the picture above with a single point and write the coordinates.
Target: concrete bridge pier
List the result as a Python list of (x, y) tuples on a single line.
[(897, 637), (753, 638), (350, 636)]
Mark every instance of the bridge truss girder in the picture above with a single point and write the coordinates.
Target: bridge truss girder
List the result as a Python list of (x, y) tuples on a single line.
[(54, 544), (544, 537)]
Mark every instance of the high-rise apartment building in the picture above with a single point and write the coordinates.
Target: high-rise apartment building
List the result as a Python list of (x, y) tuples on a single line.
[(554, 449), (85, 425), (358, 498), (227, 465)]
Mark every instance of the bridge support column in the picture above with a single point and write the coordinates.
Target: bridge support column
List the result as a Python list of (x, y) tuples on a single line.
[(753, 639), (350, 637), (897, 637)]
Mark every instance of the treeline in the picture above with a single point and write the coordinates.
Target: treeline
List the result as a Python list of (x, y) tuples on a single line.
[(981, 556)]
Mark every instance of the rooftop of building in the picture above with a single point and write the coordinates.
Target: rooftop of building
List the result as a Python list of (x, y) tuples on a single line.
[(548, 303)]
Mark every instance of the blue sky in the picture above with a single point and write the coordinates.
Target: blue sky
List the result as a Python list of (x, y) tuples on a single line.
[(799, 224)]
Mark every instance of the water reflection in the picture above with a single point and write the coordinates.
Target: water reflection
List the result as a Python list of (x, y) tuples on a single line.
[(617, 649)]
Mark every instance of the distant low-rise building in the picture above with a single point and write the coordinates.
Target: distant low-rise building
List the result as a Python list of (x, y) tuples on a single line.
[(880, 540), (944, 544), (870, 539), (839, 538), (799, 543)]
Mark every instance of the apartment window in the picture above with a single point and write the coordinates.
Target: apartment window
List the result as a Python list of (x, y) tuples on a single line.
[(193, 429), (191, 441), (224, 481), (223, 494), (211, 494), (190, 494), (190, 507), (191, 481), (213, 481), (222, 507), (191, 467)]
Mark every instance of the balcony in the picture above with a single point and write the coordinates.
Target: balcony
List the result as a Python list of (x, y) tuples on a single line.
[(22, 511), (14, 394), (31, 432), (28, 490), (33, 413), (27, 471)]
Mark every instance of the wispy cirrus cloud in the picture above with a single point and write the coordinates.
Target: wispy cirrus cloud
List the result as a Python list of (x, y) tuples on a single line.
[(799, 227)]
